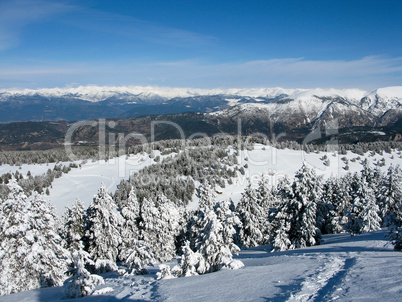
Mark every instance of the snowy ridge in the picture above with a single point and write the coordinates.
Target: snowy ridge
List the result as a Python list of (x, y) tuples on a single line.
[(100, 93), (382, 99), (311, 105), (307, 104)]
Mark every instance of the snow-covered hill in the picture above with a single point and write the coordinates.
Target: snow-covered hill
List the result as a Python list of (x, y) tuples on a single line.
[(344, 268), (274, 164)]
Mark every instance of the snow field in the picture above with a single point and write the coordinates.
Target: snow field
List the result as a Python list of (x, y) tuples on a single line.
[(344, 268), (274, 164), (84, 182)]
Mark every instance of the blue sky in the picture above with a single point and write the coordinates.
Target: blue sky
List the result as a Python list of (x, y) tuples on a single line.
[(201, 44)]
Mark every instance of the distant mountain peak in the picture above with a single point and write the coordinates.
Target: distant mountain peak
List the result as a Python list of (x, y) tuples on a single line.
[(89, 102)]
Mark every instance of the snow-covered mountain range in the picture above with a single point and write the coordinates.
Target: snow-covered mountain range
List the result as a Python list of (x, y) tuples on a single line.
[(103, 93), (156, 94), (352, 107)]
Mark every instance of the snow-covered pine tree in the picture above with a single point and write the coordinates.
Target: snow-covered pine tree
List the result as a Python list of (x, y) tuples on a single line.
[(130, 211), (390, 195), (281, 228), (306, 192), (363, 213), (172, 217), (138, 258), (73, 232), (392, 202), (206, 196), (122, 193), (283, 190), (190, 263), (268, 201), (230, 224), (81, 283), (299, 211), (264, 194), (159, 227), (337, 193), (325, 209), (367, 173), (210, 242), (102, 236), (371, 221), (31, 252), (251, 216), (211, 239), (395, 229)]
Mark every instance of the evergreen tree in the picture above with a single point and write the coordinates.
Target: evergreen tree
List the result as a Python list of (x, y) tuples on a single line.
[(367, 173), (159, 227), (338, 195), (268, 201), (297, 215), (306, 192), (81, 283), (102, 235), (265, 197), (392, 202), (363, 214), (190, 263), (74, 226), (251, 216), (395, 229), (31, 252), (139, 257), (325, 208), (130, 211), (225, 212), (283, 190), (209, 242), (206, 196), (211, 232), (371, 221), (390, 195), (281, 229)]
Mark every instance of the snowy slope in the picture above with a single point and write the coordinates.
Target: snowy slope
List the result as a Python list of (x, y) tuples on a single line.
[(84, 182), (362, 268), (383, 99), (275, 164)]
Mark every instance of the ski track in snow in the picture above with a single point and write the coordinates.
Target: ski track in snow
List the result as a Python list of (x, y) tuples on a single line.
[(133, 288), (344, 268), (317, 287)]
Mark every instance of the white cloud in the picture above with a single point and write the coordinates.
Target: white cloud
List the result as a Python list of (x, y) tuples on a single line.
[(365, 73), (15, 15), (136, 29)]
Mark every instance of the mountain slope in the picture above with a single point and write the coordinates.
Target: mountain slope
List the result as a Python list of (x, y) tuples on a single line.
[(344, 268)]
